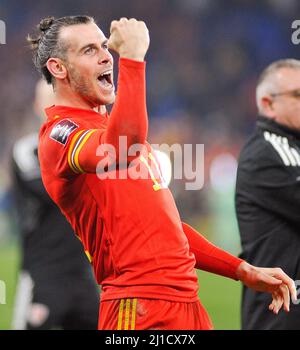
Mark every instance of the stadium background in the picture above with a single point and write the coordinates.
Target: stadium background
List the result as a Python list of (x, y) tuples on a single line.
[(203, 63)]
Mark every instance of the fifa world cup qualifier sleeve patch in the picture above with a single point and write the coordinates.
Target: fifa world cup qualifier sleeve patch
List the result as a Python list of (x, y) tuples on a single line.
[(62, 130)]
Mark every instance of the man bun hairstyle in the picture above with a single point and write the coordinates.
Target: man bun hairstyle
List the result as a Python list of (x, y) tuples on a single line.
[(46, 23), (46, 43)]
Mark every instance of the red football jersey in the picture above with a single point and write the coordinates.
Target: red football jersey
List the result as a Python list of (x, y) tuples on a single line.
[(130, 228)]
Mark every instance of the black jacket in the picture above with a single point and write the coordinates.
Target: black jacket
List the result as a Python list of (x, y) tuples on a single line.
[(268, 213), (50, 249)]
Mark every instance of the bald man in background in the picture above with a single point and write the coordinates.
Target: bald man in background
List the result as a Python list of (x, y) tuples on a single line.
[(268, 191), (56, 288)]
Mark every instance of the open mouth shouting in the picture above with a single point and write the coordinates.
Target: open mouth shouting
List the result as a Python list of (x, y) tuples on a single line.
[(105, 80)]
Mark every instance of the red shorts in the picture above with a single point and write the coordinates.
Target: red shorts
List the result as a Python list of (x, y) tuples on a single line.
[(138, 314)]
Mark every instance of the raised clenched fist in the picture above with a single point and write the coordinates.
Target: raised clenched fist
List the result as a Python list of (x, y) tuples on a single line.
[(129, 38)]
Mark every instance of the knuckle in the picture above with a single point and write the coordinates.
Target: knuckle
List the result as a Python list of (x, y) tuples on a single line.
[(113, 26)]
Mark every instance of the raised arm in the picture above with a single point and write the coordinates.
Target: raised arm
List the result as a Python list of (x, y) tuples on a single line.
[(130, 39)]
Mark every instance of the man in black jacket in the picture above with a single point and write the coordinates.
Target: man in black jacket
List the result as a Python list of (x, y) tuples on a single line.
[(56, 288), (268, 191)]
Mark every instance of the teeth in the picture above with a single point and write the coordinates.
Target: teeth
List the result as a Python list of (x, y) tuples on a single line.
[(105, 73)]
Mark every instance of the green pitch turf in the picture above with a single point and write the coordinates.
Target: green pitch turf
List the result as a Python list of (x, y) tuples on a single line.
[(9, 263), (220, 296)]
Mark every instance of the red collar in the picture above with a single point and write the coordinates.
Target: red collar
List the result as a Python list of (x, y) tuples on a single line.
[(55, 112)]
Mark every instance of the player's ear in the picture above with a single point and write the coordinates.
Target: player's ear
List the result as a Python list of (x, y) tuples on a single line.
[(57, 68)]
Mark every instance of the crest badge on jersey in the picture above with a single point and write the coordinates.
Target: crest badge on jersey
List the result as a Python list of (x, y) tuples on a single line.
[(63, 130)]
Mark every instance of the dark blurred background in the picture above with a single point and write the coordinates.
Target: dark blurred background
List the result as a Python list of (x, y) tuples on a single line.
[(202, 67)]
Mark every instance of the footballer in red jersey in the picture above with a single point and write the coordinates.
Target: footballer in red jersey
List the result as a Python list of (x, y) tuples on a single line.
[(143, 256)]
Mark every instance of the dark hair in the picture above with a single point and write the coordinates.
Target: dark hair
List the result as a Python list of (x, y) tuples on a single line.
[(46, 43)]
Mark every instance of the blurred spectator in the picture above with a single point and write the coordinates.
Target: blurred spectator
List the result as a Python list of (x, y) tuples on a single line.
[(56, 288), (267, 191)]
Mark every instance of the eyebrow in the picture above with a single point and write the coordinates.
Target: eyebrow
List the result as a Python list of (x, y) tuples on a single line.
[(92, 45)]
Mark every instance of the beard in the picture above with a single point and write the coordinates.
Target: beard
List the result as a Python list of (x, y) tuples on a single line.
[(84, 87)]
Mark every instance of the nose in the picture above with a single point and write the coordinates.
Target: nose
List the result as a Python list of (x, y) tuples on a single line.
[(105, 57)]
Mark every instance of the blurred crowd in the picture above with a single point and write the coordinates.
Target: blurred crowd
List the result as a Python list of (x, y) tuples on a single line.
[(202, 67)]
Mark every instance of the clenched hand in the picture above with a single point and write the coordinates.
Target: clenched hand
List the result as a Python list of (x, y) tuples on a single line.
[(129, 38)]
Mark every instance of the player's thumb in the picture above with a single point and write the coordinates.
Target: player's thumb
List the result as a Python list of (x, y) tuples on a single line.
[(111, 43)]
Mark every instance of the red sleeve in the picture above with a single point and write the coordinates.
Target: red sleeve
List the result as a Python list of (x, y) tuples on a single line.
[(129, 114), (209, 257)]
